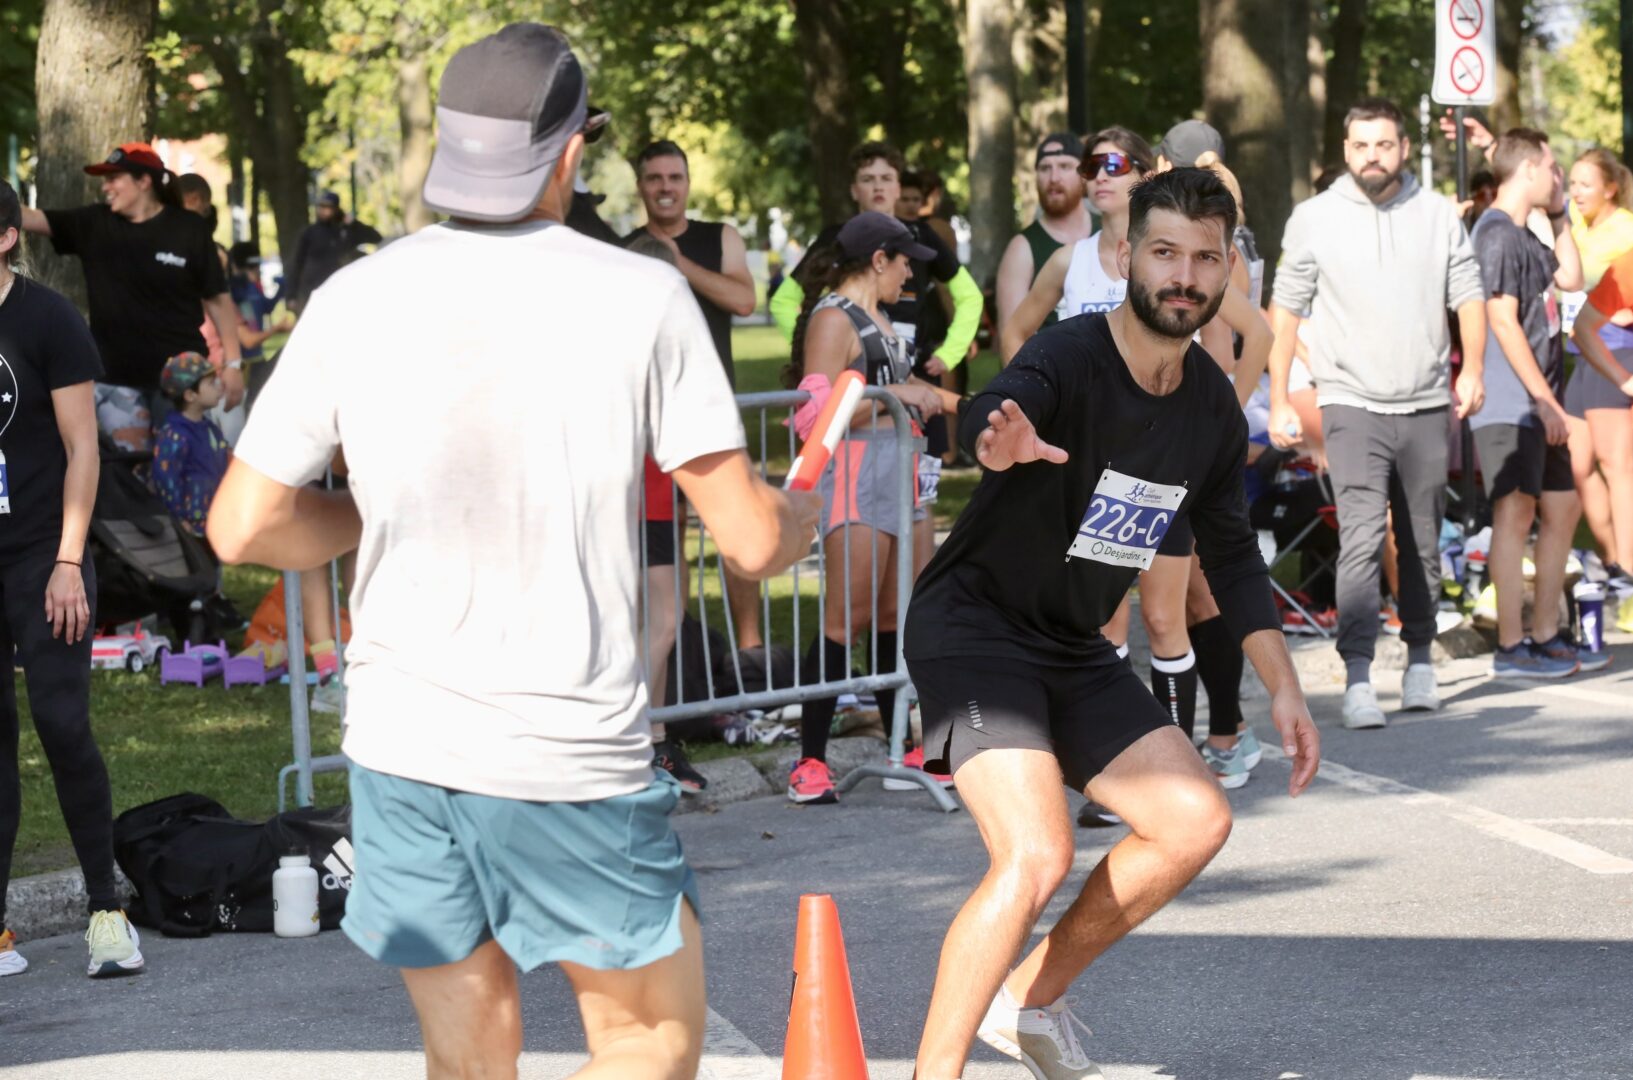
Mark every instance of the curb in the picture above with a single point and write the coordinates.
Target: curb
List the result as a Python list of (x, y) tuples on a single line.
[(45, 905)]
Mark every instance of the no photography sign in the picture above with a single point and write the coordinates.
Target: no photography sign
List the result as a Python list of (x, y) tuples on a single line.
[(1465, 52)]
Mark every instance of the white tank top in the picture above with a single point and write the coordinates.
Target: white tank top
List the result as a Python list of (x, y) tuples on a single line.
[(1088, 287)]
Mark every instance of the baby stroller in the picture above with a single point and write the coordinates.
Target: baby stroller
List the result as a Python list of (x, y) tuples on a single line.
[(145, 561)]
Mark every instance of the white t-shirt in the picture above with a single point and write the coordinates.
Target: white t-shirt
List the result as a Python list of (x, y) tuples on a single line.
[(1087, 286), (495, 390)]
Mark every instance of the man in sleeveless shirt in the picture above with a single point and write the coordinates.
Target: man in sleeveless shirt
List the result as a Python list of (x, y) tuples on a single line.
[(1062, 219), (711, 255), (714, 261)]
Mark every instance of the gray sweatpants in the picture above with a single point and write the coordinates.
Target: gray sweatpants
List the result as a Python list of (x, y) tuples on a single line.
[(1379, 462)]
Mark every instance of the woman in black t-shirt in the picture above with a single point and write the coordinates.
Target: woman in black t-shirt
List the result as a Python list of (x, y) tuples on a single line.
[(148, 264), (48, 473)]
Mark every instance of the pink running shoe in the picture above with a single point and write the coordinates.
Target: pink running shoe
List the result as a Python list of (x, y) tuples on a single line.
[(810, 781), (914, 759)]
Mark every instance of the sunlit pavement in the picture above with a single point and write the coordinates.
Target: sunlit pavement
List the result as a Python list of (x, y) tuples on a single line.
[(1454, 899)]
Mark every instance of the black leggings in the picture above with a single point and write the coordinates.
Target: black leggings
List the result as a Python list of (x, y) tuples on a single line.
[(59, 696)]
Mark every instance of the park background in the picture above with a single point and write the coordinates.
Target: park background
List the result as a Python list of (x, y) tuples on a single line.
[(276, 101)]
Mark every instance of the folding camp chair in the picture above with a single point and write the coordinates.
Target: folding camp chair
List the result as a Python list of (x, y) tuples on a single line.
[(1279, 512)]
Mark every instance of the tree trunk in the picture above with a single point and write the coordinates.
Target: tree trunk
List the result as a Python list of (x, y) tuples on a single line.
[(1316, 117), (1243, 42), (283, 175), (1296, 20), (989, 62), (93, 85), (1505, 111), (414, 117), (829, 118), (1343, 76)]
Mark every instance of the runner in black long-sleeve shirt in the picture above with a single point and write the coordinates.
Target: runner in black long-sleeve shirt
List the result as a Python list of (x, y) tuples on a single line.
[(1102, 433)]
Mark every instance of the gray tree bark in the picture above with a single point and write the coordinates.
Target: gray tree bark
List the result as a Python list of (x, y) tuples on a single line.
[(989, 63), (1295, 92), (414, 113), (1506, 111), (1243, 47), (1343, 76), (94, 87), (830, 120)]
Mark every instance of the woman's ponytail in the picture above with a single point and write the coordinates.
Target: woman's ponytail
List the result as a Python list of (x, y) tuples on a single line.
[(822, 270)]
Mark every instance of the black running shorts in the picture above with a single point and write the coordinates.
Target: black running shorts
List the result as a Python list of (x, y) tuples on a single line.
[(1085, 716)]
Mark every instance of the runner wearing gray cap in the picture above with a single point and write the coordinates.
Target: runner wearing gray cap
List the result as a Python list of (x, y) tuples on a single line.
[(1062, 221), (1186, 142), (505, 809)]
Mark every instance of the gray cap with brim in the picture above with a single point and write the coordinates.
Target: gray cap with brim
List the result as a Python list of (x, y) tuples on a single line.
[(509, 105)]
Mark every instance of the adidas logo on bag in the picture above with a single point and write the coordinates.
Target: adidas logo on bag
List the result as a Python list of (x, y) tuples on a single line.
[(339, 866)]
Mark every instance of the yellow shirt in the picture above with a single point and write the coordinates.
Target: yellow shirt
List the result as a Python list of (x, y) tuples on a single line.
[(1602, 243)]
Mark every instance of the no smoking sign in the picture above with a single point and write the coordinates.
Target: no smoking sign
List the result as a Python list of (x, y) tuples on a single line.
[(1465, 53)]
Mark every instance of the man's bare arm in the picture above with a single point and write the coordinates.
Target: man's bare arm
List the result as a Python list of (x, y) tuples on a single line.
[(256, 519)]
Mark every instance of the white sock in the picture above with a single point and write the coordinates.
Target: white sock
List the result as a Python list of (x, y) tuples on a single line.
[(1122, 651), (1007, 998)]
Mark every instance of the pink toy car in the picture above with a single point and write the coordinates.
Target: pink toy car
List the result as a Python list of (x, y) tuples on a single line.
[(132, 652)]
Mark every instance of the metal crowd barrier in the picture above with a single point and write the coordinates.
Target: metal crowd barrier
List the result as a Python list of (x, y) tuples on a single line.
[(305, 766), (825, 684)]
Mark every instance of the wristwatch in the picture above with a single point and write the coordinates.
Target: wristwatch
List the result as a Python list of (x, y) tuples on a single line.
[(1559, 216)]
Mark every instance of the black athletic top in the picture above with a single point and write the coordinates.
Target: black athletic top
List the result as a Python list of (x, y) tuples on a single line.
[(906, 311), (1043, 246), (1044, 553), (704, 243)]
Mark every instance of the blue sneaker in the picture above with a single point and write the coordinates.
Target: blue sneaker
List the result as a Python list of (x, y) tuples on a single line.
[(1229, 767), (1563, 646), (1247, 744), (1527, 661)]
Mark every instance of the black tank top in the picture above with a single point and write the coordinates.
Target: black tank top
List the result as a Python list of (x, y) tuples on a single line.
[(701, 242), (1043, 245)]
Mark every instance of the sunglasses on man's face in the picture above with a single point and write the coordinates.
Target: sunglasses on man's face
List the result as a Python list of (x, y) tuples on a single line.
[(1113, 164)]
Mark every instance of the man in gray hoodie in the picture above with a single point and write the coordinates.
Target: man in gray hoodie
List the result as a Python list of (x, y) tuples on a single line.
[(1375, 262)]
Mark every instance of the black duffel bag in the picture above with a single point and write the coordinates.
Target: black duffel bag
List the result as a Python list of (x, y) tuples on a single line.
[(198, 869)]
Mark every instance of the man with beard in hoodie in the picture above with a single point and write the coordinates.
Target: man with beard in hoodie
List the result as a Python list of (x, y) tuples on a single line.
[(1376, 260)]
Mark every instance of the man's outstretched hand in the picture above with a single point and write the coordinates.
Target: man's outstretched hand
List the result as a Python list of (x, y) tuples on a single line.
[(1010, 439)]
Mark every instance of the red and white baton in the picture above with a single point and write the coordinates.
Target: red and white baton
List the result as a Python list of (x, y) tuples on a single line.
[(830, 427)]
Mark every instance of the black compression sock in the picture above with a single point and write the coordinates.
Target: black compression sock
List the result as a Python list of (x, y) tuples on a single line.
[(1219, 665), (1173, 681), (816, 717), (887, 666)]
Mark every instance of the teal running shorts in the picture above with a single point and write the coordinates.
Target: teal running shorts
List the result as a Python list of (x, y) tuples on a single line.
[(439, 872)]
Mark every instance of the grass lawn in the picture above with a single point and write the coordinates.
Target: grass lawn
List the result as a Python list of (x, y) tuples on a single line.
[(229, 745)]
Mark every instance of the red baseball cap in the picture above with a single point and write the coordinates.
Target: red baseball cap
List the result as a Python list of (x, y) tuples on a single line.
[(129, 157)]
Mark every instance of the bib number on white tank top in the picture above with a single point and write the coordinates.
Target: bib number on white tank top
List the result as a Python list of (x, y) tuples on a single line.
[(1126, 520)]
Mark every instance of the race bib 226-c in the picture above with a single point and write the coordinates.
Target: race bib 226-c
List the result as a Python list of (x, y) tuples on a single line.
[(1126, 520)]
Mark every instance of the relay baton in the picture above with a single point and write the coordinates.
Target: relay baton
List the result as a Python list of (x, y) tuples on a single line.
[(830, 428)]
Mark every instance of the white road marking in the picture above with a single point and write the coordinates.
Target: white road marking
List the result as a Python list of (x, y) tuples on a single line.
[(728, 1054), (1584, 822), (1526, 835)]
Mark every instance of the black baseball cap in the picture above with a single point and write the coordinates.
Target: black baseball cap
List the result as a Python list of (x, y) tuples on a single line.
[(1059, 144), (872, 231), (1190, 139), (508, 107), (329, 199)]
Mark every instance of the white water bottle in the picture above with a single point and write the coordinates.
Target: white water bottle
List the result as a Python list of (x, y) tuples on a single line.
[(294, 897)]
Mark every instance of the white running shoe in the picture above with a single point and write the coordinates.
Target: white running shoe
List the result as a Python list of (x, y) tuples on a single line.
[(1419, 690), (1361, 708), (1247, 744), (1043, 1039), (114, 946)]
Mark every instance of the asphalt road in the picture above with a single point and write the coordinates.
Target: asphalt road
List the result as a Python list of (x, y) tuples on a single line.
[(1453, 899)]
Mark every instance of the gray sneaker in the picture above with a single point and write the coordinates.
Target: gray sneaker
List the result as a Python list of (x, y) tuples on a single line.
[(1247, 744), (1043, 1039), (1419, 690), (1229, 767), (1361, 708), (330, 698)]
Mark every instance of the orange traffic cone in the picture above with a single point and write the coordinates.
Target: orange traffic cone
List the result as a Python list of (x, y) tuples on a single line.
[(824, 1038)]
